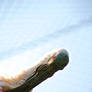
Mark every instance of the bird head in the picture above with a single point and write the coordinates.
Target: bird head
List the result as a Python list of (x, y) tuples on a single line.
[(50, 64)]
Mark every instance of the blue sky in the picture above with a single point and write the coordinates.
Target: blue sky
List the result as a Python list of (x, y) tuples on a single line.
[(31, 28)]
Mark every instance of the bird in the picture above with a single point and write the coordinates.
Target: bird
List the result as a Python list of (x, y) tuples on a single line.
[(27, 80)]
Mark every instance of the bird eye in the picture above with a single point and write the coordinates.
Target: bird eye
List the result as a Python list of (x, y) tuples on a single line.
[(53, 57)]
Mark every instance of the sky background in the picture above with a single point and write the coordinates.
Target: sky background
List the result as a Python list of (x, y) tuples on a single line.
[(31, 28)]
